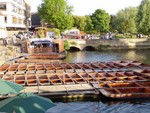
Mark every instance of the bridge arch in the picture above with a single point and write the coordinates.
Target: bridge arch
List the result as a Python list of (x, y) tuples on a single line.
[(89, 48), (74, 48)]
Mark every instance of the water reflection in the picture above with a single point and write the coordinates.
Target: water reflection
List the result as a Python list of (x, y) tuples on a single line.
[(94, 56), (109, 106)]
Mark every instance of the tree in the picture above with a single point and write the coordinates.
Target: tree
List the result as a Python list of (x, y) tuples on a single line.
[(56, 13), (143, 17), (89, 25), (79, 22), (100, 20), (113, 23), (126, 20)]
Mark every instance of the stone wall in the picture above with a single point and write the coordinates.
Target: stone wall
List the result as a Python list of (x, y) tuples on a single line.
[(121, 43), (114, 43)]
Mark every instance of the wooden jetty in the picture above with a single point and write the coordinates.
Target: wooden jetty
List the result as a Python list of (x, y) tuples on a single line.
[(114, 79)]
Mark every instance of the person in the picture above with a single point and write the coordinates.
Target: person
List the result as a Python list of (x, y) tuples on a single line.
[(4, 42)]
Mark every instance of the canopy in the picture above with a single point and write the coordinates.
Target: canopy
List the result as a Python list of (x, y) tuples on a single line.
[(7, 87), (26, 103)]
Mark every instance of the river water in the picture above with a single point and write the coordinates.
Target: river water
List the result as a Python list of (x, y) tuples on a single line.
[(104, 105)]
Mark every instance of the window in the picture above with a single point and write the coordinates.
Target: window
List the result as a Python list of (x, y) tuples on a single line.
[(14, 20), (5, 19), (14, 9), (19, 11), (20, 21), (2, 6)]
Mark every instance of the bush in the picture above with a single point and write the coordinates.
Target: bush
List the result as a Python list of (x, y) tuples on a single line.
[(66, 45)]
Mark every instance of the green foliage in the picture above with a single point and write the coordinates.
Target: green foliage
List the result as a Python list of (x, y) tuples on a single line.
[(127, 35), (113, 23), (125, 20), (56, 31), (119, 36), (89, 25), (143, 17), (41, 33), (100, 20), (79, 22), (66, 45), (56, 13)]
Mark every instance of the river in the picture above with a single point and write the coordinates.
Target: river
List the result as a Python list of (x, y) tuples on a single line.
[(104, 105)]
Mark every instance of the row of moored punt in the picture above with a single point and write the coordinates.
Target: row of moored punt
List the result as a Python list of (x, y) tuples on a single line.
[(115, 79), (31, 68)]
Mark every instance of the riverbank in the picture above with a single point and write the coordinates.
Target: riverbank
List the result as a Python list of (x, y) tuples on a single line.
[(121, 44), (8, 52)]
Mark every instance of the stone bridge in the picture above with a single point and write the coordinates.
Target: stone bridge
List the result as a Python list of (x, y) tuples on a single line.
[(110, 44)]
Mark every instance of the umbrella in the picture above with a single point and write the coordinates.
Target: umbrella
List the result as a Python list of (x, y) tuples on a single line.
[(7, 87), (26, 103)]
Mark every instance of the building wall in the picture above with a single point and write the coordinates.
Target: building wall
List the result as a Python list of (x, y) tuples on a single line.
[(15, 14)]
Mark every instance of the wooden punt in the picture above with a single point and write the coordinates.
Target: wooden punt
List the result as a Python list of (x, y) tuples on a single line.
[(126, 93), (119, 76), (142, 75), (98, 78), (43, 79), (40, 68), (31, 80), (59, 69), (87, 77), (36, 61), (52, 55), (124, 90), (20, 79), (107, 75), (146, 72), (112, 65), (66, 79), (144, 84), (87, 68), (77, 67), (103, 65), (132, 76), (124, 61), (22, 68), (4, 68), (124, 85), (55, 79), (49, 68), (76, 78), (144, 66), (31, 68), (121, 65), (67, 68), (12, 69), (96, 67), (8, 77)]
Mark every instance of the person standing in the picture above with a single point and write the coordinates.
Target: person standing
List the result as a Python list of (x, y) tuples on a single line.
[(4, 42)]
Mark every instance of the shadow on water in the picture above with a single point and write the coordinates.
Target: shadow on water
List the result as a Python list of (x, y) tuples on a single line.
[(101, 105), (110, 101)]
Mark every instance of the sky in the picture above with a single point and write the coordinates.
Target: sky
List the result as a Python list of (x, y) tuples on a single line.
[(87, 7)]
